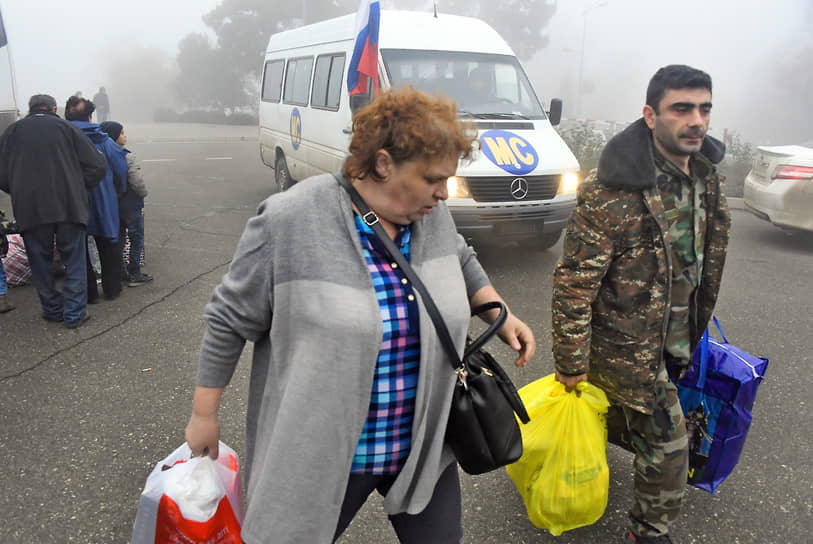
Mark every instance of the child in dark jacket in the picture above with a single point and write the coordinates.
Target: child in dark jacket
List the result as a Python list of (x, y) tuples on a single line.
[(131, 208)]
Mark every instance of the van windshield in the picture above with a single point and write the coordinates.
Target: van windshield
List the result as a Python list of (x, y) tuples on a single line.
[(483, 85)]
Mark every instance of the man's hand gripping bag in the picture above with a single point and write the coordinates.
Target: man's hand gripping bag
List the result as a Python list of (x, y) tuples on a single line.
[(194, 500), (563, 475)]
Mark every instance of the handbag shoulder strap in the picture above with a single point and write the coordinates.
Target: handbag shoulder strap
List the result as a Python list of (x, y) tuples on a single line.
[(371, 219), (459, 365)]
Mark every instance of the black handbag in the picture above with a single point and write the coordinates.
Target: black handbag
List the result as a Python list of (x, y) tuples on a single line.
[(482, 430)]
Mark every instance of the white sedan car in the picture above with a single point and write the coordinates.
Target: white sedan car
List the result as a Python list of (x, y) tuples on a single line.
[(779, 187)]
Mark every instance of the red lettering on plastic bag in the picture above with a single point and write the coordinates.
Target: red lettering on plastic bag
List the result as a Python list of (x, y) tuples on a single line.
[(172, 528)]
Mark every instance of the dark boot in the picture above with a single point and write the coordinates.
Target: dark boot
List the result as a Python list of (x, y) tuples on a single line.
[(632, 538)]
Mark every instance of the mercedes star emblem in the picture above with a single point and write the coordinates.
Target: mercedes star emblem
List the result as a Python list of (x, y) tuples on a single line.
[(519, 188)]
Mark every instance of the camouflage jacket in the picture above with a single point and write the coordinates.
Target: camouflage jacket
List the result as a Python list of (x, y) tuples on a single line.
[(611, 288)]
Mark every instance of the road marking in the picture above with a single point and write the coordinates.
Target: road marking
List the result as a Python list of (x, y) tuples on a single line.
[(158, 160), (218, 158)]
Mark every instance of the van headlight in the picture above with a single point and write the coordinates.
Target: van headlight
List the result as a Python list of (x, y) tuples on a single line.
[(457, 187), (569, 183)]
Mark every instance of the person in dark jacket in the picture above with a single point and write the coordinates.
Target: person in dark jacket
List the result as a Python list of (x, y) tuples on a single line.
[(102, 103), (641, 268), (48, 166), (104, 199), (131, 209)]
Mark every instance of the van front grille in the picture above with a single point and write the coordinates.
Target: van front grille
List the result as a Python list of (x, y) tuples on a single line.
[(498, 188), (539, 215)]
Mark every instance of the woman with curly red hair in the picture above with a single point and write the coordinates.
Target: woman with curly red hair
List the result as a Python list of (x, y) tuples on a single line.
[(350, 387)]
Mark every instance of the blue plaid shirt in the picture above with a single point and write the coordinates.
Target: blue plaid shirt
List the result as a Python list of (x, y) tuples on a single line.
[(387, 435)]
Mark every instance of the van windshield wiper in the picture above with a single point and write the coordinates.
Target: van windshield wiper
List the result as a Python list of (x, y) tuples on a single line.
[(500, 116)]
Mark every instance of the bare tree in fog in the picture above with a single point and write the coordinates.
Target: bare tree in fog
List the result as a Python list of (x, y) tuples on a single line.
[(224, 73), (206, 78)]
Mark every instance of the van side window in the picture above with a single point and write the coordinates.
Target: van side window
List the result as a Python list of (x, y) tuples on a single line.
[(272, 81), (327, 82), (298, 81)]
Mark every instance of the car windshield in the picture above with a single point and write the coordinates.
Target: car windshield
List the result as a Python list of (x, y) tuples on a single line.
[(483, 85)]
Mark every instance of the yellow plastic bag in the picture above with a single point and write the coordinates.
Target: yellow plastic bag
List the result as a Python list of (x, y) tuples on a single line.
[(563, 475)]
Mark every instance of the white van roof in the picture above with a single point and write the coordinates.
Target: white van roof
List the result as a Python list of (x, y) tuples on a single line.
[(401, 30)]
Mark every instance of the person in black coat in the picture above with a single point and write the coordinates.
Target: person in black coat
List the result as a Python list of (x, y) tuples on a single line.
[(48, 165), (102, 102)]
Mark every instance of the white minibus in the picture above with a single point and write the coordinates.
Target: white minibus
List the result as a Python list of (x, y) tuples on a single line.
[(521, 184)]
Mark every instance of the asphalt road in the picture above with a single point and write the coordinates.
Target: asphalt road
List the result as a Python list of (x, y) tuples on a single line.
[(86, 414)]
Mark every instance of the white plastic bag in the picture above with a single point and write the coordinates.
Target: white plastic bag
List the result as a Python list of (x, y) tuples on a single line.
[(194, 500)]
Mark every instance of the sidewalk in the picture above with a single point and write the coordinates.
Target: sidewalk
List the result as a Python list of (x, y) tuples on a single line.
[(189, 132)]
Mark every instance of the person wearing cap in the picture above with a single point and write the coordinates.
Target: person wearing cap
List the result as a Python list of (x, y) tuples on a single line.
[(131, 209)]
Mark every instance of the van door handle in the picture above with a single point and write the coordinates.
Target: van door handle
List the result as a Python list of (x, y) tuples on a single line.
[(347, 130)]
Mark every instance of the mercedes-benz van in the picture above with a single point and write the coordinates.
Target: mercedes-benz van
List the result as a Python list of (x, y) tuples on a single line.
[(522, 182)]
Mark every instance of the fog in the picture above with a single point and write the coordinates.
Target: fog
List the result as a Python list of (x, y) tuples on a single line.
[(59, 48), (758, 54)]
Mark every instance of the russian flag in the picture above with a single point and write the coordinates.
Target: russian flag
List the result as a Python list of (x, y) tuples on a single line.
[(364, 63)]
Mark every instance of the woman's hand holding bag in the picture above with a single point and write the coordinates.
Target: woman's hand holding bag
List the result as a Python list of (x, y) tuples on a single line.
[(189, 499)]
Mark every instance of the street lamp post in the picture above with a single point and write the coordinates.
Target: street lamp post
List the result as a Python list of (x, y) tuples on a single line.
[(581, 62)]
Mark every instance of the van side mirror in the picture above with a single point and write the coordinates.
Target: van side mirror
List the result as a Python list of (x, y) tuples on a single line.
[(358, 101), (555, 113)]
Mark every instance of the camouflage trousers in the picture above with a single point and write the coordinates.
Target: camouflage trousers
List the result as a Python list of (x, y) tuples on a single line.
[(661, 457)]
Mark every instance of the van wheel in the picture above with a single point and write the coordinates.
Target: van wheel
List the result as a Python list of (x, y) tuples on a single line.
[(548, 239), (282, 175)]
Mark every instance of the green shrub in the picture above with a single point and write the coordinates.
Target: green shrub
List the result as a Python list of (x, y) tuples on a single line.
[(586, 143), (736, 164)]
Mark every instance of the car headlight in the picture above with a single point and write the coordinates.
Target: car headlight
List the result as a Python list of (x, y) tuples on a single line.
[(457, 187), (569, 183)]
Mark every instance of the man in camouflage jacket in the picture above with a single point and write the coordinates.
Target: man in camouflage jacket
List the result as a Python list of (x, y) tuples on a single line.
[(638, 279)]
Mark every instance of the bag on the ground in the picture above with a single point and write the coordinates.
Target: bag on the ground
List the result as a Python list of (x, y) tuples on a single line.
[(563, 475), (717, 394), (194, 500), (18, 271)]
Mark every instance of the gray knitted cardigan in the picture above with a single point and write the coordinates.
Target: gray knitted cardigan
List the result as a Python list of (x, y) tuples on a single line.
[(299, 289)]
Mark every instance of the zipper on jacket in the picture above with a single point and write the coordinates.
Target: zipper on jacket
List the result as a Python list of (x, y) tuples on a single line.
[(710, 214), (667, 253)]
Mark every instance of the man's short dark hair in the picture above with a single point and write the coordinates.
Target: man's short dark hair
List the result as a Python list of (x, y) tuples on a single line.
[(41, 102), (675, 76), (78, 109)]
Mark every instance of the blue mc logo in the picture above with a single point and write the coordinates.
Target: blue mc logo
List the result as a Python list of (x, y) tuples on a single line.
[(296, 128), (509, 151)]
